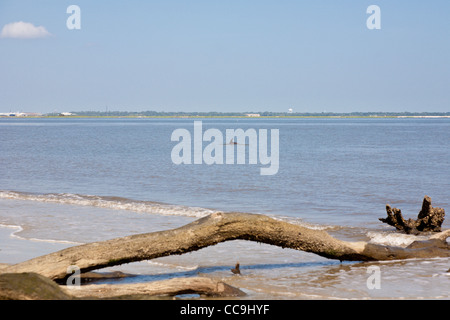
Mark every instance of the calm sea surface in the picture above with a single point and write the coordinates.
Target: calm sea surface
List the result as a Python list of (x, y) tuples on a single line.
[(69, 181)]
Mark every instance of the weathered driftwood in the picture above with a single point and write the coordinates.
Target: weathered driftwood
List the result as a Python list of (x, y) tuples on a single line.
[(170, 287), (29, 286), (429, 219), (33, 286), (220, 227)]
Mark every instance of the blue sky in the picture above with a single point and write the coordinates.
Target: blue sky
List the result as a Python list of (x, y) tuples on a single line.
[(226, 56)]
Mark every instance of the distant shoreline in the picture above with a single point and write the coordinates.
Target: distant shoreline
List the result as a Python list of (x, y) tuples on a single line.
[(229, 117), (246, 115), (252, 115)]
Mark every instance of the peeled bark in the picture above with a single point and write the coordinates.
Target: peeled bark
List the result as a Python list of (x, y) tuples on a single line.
[(429, 219), (220, 227)]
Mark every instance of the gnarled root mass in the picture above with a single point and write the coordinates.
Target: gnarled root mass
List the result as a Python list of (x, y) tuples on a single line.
[(429, 219)]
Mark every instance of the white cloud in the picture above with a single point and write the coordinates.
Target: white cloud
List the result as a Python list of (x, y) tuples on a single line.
[(23, 30)]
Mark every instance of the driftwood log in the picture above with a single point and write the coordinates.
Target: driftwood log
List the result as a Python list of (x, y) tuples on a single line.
[(220, 227), (33, 286), (429, 219), (29, 286), (171, 287)]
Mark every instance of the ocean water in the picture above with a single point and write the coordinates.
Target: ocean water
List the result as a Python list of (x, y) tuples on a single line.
[(65, 182)]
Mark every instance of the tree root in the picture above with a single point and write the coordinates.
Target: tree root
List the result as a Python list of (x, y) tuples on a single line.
[(429, 219)]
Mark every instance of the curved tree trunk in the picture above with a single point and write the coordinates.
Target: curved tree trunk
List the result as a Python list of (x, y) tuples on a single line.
[(220, 227)]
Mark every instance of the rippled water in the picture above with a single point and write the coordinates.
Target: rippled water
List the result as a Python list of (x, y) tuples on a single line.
[(69, 181)]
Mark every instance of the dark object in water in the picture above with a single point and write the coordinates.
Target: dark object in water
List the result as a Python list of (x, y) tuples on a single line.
[(236, 269)]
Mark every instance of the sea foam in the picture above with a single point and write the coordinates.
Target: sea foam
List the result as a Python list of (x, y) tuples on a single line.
[(393, 239), (109, 202)]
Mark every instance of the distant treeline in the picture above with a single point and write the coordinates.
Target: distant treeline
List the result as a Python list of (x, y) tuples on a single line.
[(243, 114)]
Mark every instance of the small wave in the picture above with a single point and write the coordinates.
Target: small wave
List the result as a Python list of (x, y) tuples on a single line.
[(10, 226), (393, 239), (19, 229), (108, 202), (14, 233), (171, 265)]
